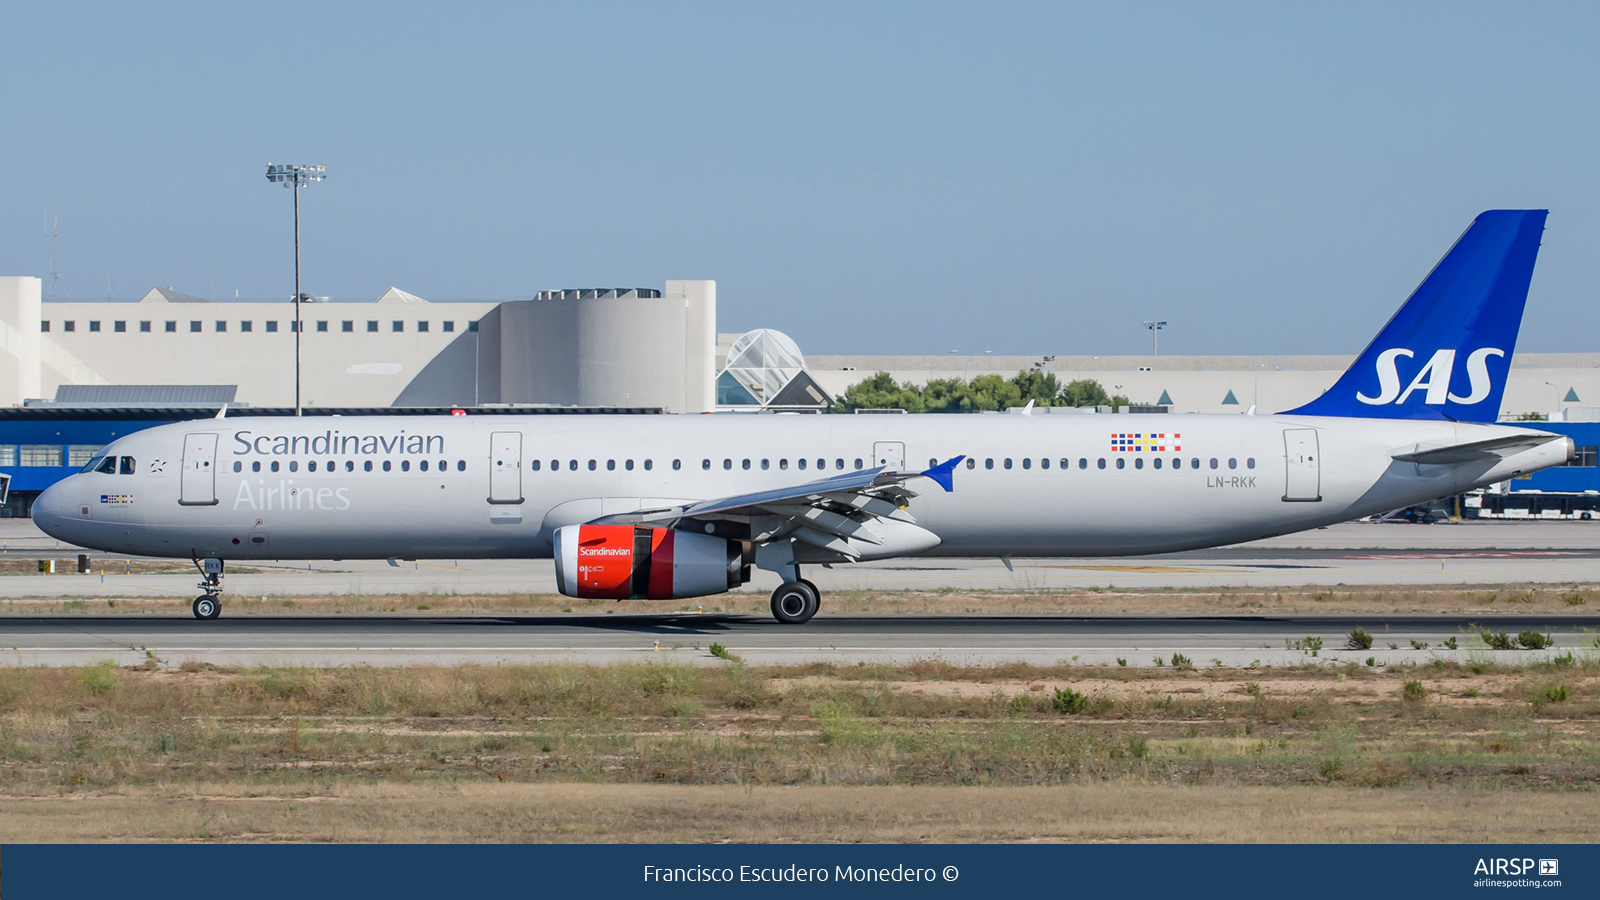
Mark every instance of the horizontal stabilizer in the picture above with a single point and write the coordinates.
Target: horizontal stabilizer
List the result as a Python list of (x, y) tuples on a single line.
[(1424, 454)]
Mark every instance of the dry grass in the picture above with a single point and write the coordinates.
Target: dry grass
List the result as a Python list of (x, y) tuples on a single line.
[(553, 813), (665, 752), (1487, 601)]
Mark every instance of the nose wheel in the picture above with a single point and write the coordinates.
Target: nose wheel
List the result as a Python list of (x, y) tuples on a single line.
[(209, 604)]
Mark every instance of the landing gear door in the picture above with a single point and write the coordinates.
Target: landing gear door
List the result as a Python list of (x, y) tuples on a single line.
[(889, 453), (199, 486), (505, 467), (1301, 455)]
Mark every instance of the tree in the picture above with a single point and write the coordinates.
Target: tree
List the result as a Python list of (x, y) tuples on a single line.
[(880, 392), (985, 393)]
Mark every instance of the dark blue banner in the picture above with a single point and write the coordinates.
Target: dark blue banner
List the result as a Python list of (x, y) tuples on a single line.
[(243, 872)]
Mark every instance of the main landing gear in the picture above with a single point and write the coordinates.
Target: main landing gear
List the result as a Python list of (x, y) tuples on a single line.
[(795, 602), (209, 604)]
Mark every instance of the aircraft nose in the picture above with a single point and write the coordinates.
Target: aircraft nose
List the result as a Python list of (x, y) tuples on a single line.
[(48, 512)]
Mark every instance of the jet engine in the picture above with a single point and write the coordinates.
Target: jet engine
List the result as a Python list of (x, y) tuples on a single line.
[(618, 562)]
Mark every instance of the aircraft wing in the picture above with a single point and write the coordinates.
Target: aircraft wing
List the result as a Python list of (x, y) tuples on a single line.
[(1460, 453), (836, 514)]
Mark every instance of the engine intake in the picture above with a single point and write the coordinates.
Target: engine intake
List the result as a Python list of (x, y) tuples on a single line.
[(622, 562)]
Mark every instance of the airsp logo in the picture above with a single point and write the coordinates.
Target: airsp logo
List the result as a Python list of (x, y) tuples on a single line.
[(1434, 379)]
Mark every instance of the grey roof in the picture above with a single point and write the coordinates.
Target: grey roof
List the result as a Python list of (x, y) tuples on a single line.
[(179, 296), (146, 394)]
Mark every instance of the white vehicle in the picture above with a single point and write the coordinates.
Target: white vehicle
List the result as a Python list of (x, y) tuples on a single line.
[(658, 507)]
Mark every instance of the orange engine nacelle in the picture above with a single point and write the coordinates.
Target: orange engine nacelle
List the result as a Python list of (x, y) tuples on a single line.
[(620, 562)]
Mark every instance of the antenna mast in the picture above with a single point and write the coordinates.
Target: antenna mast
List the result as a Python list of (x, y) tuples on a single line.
[(53, 231)]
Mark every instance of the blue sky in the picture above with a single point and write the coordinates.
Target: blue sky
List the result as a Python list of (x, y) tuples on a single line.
[(870, 178)]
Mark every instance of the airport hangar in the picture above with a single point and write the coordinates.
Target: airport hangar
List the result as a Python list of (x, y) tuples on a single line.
[(111, 367)]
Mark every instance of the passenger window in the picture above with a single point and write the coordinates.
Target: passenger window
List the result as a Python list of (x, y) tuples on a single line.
[(858, 462), (1233, 463), (461, 465), (311, 466), (611, 465), (350, 465), (747, 465), (648, 465), (1194, 463), (1138, 462), (1027, 463), (274, 465), (823, 464), (1008, 462), (127, 465), (1084, 463), (783, 464), (705, 464), (628, 464), (972, 463), (405, 465), (1156, 462), (988, 464), (838, 464), (572, 465), (444, 465), (294, 465), (238, 466), (592, 465), (367, 466), (1250, 463), (727, 464), (387, 465), (800, 462), (255, 466), (1044, 463), (1213, 462), (535, 465), (764, 465), (1122, 462), (421, 466)]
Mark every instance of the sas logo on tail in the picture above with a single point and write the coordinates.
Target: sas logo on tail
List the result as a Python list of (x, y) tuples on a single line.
[(1433, 382)]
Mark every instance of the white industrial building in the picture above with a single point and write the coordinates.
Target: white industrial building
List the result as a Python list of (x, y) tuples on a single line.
[(596, 347), (1538, 382)]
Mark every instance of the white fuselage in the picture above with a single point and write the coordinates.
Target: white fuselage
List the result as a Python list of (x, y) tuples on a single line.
[(499, 485)]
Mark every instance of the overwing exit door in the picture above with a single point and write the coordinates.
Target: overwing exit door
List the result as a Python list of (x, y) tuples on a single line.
[(505, 467), (199, 484), (889, 453), (1304, 478)]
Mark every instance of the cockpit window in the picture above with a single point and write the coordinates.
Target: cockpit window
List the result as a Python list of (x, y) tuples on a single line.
[(105, 464), (127, 466)]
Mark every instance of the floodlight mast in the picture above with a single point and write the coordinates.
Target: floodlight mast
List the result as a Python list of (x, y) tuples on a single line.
[(1155, 333), (295, 177)]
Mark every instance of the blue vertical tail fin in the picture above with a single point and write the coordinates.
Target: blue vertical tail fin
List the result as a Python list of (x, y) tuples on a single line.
[(1445, 354)]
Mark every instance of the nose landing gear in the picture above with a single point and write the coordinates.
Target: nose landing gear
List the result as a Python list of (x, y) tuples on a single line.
[(209, 604)]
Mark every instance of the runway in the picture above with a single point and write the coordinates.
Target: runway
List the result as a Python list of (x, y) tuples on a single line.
[(685, 639), (1349, 554)]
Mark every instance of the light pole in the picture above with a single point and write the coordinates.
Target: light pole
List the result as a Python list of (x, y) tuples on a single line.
[(1155, 331), (295, 177)]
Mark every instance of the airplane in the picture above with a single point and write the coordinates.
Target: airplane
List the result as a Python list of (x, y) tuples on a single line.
[(676, 506)]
